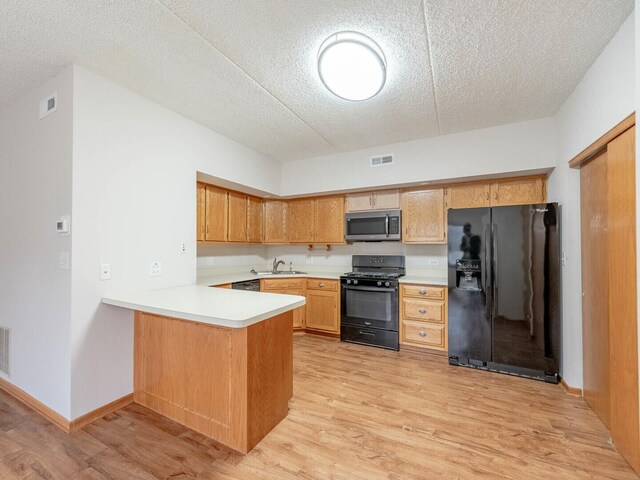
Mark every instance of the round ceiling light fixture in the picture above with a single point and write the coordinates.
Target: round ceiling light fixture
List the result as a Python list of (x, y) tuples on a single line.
[(352, 66)]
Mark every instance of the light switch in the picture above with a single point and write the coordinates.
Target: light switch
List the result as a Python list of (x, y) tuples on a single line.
[(105, 271)]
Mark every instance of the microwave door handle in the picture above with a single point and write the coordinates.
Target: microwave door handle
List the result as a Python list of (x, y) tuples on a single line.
[(386, 225)]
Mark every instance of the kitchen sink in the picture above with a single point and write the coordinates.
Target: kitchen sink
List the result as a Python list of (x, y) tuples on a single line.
[(284, 272)]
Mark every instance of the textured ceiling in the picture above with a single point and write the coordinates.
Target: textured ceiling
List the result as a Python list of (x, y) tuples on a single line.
[(246, 68)]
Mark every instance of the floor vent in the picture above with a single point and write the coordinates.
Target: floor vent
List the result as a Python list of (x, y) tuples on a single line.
[(4, 350), (382, 160)]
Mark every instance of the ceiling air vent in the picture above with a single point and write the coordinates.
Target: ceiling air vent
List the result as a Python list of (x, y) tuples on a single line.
[(382, 160), (4, 350)]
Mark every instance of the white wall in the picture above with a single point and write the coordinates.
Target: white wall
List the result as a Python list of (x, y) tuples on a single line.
[(515, 147), (35, 294), (134, 172), (603, 98)]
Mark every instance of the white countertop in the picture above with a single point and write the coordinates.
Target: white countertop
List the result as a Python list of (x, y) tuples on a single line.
[(213, 306), (221, 279)]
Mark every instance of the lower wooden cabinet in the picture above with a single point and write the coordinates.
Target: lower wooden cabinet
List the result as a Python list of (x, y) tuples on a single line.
[(287, 286), (323, 305), (423, 316)]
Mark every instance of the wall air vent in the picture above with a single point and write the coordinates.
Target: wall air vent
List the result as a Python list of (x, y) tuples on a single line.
[(4, 350), (48, 105), (381, 160)]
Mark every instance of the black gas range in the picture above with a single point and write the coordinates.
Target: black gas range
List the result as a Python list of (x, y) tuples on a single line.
[(369, 300)]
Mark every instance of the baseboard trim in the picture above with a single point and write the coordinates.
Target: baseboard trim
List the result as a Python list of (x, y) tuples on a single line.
[(321, 333), (569, 390), (100, 412), (57, 419), (35, 405)]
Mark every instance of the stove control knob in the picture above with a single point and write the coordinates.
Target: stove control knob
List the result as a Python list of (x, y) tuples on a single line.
[(348, 282), (386, 284), (379, 284), (355, 282)]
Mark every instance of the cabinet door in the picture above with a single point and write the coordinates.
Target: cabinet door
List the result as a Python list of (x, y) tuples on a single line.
[(469, 196), (275, 221), (329, 220), (301, 221), (216, 214), (298, 313), (518, 192), (322, 311), (423, 215), (201, 208), (237, 217), (358, 202), (254, 220), (386, 200)]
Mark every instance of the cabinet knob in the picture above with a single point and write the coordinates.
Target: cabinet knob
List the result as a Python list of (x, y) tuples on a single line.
[(321, 284), (422, 333), (422, 311), (422, 292)]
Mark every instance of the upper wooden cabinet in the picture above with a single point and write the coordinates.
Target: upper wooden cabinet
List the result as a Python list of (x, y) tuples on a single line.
[(469, 196), (329, 220), (254, 220), (201, 208), (301, 220), (216, 214), (382, 200), (276, 214), (237, 229), (518, 192), (424, 216)]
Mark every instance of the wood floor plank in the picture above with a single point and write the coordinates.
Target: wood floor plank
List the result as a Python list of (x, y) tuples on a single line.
[(357, 413)]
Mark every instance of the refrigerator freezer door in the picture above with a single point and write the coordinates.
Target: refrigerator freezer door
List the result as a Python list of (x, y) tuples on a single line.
[(469, 285), (525, 244)]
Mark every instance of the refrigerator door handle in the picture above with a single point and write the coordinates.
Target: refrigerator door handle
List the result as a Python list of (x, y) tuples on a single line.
[(486, 283), (494, 269)]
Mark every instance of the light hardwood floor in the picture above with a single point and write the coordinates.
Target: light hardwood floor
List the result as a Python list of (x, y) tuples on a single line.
[(357, 413)]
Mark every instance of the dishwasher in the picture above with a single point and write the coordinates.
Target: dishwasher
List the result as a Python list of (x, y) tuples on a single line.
[(249, 285)]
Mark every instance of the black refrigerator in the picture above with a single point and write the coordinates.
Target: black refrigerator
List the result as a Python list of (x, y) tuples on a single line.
[(504, 289)]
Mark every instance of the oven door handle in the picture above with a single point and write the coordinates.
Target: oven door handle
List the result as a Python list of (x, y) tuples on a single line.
[(370, 289)]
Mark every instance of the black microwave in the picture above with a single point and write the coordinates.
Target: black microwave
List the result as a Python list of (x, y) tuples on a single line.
[(378, 226)]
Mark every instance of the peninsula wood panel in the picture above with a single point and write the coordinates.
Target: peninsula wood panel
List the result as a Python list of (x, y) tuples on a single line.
[(301, 221), (323, 311), (623, 326), (276, 213), (230, 384), (201, 208), (216, 214), (237, 217), (254, 220), (329, 220), (595, 285), (469, 196), (518, 192), (423, 215)]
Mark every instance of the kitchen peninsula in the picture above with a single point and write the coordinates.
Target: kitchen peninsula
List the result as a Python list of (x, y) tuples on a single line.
[(218, 361)]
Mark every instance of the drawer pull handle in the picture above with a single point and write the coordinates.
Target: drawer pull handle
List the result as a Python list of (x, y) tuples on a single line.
[(422, 333), (422, 311), (422, 291), (321, 284)]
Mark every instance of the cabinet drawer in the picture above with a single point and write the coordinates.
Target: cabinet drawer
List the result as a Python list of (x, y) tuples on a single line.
[(281, 283), (322, 284), (422, 291), (423, 310), (423, 334)]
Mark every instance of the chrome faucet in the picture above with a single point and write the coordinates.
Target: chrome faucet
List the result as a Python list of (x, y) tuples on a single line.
[(276, 264)]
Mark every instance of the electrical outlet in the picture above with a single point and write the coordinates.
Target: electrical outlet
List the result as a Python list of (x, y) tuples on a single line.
[(183, 247), (434, 262), (564, 258), (155, 269), (105, 271), (63, 261)]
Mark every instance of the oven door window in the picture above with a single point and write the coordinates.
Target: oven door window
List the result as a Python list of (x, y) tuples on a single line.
[(377, 308), (366, 226)]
